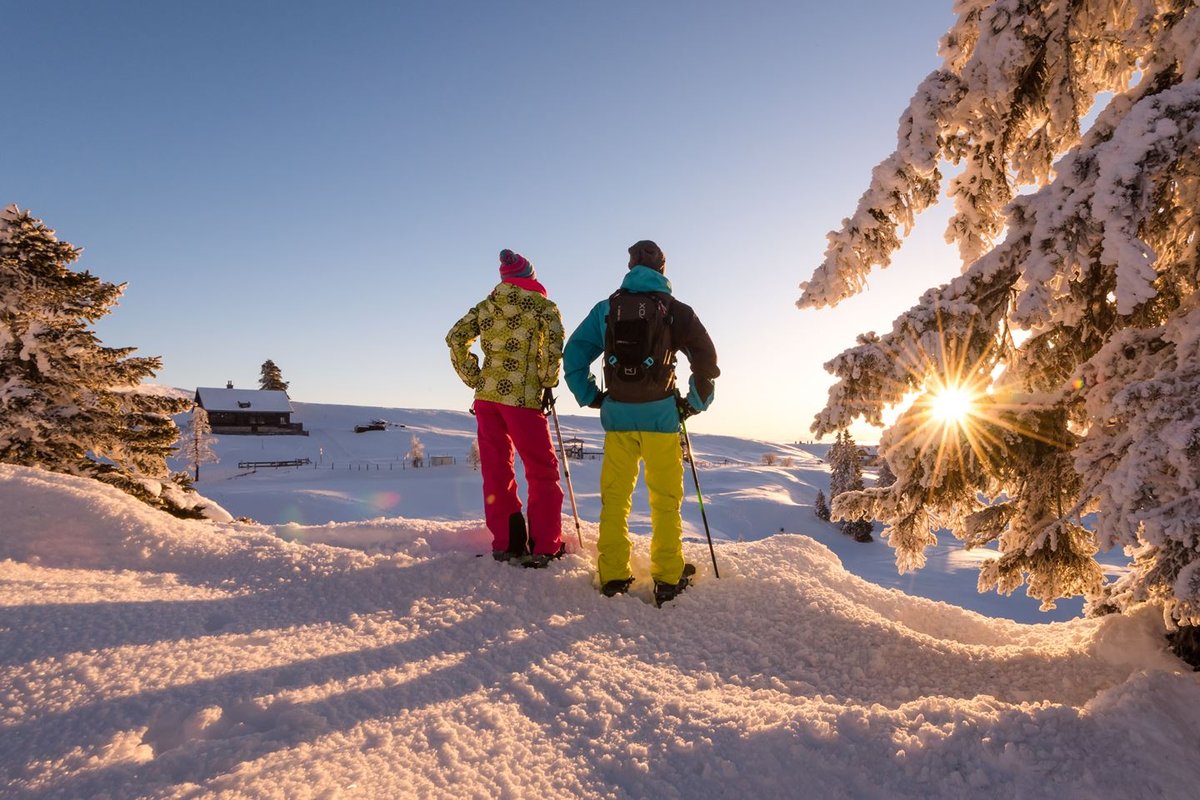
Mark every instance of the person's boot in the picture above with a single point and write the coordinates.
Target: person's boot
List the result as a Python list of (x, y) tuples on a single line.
[(614, 588), (665, 592), (518, 540)]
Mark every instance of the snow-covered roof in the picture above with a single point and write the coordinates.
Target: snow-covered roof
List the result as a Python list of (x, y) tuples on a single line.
[(268, 400)]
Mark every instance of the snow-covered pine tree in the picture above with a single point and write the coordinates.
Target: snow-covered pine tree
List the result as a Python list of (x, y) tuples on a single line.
[(832, 457), (886, 477), (416, 451), (821, 506), (473, 457), (67, 403), (271, 378), (846, 476), (837, 476), (1095, 406), (196, 440)]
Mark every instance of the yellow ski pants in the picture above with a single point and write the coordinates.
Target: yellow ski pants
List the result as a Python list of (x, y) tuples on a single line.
[(623, 453)]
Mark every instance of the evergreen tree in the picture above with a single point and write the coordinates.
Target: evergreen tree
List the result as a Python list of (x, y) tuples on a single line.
[(416, 451), (833, 457), (886, 477), (846, 476), (1096, 409), (821, 507), (196, 440), (271, 378), (473, 457), (67, 403)]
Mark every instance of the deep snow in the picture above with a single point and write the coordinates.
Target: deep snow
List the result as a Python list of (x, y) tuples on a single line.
[(143, 656)]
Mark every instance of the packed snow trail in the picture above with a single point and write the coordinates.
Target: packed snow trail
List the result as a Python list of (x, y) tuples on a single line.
[(143, 656)]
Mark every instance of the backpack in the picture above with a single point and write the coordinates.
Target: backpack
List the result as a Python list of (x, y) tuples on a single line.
[(639, 361)]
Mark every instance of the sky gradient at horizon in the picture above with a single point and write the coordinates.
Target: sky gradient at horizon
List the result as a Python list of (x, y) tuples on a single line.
[(329, 186)]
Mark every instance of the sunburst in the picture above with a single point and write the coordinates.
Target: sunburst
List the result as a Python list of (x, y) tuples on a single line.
[(955, 415), (953, 405)]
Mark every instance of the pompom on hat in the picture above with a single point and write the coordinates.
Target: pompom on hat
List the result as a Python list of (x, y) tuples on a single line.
[(647, 254), (515, 265)]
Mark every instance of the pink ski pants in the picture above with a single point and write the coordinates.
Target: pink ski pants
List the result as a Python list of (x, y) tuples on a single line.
[(501, 427)]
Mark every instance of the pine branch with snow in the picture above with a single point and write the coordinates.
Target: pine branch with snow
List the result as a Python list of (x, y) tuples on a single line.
[(1074, 324)]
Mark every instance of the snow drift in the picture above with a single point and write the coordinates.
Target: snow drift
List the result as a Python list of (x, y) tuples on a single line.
[(141, 655)]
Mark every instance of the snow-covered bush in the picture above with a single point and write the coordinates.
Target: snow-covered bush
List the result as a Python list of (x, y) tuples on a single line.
[(416, 451), (1074, 328)]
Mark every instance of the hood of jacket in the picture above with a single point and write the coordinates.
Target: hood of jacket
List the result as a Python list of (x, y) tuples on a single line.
[(644, 279)]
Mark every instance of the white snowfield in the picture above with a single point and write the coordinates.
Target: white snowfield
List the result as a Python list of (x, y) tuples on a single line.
[(144, 656)]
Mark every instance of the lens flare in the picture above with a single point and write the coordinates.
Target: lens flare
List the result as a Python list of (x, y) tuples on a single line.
[(385, 501)]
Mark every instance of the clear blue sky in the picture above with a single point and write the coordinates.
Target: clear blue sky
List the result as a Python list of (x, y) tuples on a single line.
[(328, 185)]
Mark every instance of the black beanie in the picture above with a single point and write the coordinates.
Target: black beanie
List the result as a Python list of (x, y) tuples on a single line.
[(648, 254)]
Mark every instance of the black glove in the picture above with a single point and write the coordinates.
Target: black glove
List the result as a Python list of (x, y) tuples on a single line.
[(547, 401), (684, 407), (598, 400)]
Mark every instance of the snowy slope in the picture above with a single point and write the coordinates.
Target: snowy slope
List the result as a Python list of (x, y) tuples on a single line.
[(142, 656), (361, 476)]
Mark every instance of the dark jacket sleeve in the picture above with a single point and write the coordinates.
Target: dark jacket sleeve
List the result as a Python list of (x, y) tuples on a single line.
[(690, 338)]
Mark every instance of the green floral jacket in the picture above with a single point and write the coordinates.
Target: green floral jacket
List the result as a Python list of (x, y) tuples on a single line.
[(521, 335)]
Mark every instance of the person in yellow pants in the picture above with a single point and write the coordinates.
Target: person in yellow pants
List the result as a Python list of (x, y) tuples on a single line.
[(639, 329), (623, 453)]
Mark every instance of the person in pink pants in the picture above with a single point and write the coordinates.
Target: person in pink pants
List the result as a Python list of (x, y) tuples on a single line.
[(520, 333)]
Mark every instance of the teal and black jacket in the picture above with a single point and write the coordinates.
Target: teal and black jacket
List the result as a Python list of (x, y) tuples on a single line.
[(688, 336)]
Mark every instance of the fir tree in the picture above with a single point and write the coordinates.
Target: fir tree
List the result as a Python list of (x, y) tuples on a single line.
[(271, 378), (473, 457), (196, 440), (821, 507), (886, 477), (1097, 409), (67, 403), (838, 477), (846, 476)]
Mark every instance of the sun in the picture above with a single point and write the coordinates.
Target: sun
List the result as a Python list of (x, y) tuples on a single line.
[(952, 405)]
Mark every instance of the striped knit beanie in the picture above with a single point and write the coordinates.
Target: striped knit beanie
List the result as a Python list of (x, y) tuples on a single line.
[(515, 265)]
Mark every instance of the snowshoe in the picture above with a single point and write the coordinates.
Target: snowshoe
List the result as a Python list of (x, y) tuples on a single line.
[(614, 588), (665, 592), (541, 560)]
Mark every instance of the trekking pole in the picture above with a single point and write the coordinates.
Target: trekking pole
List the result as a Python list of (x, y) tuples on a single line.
[(699, 495), (566, 471)]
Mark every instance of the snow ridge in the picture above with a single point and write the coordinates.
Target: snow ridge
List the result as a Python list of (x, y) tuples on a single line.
[(141, 655)]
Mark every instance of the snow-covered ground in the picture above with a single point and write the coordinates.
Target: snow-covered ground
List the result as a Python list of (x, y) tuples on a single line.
[(362, 476), (351, 643)]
